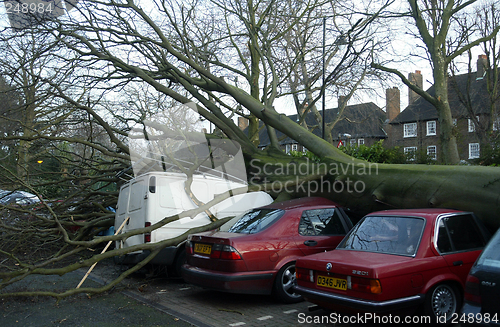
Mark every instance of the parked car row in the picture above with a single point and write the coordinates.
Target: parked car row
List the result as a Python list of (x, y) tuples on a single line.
[(394, 261)]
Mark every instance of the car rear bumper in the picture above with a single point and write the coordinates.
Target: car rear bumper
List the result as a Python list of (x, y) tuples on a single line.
[(331, 300), (260, 282)]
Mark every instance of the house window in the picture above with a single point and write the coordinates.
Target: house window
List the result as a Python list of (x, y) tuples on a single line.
[(472, 126), (410, 152), (496, 124), (410, 130), (473, 150), (454, 120), (287, 148), (294, 147), (431, 127), (431, 152), (304, 149), (361, 141), (352, 142)]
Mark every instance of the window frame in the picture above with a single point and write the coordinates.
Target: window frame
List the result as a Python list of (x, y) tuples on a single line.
[(431, 128), (479, 229), (471, 127), (407, 130), (361, 142), (471, 156), (434, 157), (336, 214), (406, 150)]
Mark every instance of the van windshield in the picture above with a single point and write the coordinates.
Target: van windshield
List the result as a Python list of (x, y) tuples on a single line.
[(253, 221)]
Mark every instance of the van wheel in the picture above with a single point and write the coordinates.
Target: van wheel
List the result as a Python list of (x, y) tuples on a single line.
[(442, 300), (284, 282), (180, 259)]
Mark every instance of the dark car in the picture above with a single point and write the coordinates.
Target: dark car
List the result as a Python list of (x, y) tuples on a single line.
[(482, 288), (256, 252), (397, 261)]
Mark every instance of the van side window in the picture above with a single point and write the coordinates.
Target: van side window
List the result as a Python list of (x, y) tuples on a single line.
[(152, 184)]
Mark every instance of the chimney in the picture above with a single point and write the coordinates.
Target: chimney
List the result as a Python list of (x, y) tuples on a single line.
[(415, 79), (242, 123), (392, 103), (482, 66)]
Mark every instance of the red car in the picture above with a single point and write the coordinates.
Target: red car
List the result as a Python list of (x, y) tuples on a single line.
[(396, 261), (256, 252)]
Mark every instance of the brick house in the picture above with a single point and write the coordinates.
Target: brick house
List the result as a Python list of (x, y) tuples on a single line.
[(417, 128), (360, 124)]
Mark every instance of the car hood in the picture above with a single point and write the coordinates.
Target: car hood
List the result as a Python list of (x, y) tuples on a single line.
[(369, 264)]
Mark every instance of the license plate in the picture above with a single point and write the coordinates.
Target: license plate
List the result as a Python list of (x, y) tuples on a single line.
[(332, 282), (202, 248)]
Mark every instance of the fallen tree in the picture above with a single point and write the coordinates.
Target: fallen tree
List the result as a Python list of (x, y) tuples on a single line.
[(134, 47)]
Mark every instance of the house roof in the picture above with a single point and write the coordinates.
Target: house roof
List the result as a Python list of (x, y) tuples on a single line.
[(360, 121), (459, 86)]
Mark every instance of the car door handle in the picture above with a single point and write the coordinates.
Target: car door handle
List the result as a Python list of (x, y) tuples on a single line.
[(458, 263), (310, 243)]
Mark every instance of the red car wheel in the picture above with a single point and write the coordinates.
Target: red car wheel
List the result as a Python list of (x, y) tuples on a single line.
[(284, 282)]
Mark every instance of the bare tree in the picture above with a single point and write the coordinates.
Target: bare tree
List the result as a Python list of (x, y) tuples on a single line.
[(434, 20)]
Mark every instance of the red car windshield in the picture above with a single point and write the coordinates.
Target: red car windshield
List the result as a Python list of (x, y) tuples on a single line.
[(256, 220), (391, 235)]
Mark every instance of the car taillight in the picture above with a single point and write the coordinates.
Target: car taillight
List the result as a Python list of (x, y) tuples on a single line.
[(189, 248), (229, 253), (472, 289), (216, 250), (306, 275), (147, 236), (366, 285)]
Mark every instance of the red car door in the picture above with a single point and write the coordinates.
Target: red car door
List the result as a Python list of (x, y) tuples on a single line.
[(321, 230)]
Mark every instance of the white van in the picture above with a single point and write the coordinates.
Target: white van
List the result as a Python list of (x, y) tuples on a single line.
[(152, 196)]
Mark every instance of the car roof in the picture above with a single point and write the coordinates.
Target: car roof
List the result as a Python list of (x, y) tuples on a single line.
[(418, 212), (301, 203)]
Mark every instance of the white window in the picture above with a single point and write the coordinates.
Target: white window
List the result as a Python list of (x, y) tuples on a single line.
[(410, 130), (410, 152), (473, 150), (304, 149), (431, 127), (472, 126), (294, 147), (496, 124), (454, 120), (431, 152), (352, 142), (361, 141), (287, 148)]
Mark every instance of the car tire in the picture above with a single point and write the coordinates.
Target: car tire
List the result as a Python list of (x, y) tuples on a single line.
[(441, 300), (283, 284)]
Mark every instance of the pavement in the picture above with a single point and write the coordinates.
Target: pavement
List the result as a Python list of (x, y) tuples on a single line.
[(155, 300), (142, 301), (111, 309)]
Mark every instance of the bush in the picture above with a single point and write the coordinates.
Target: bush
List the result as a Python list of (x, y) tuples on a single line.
[(376, 153)]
